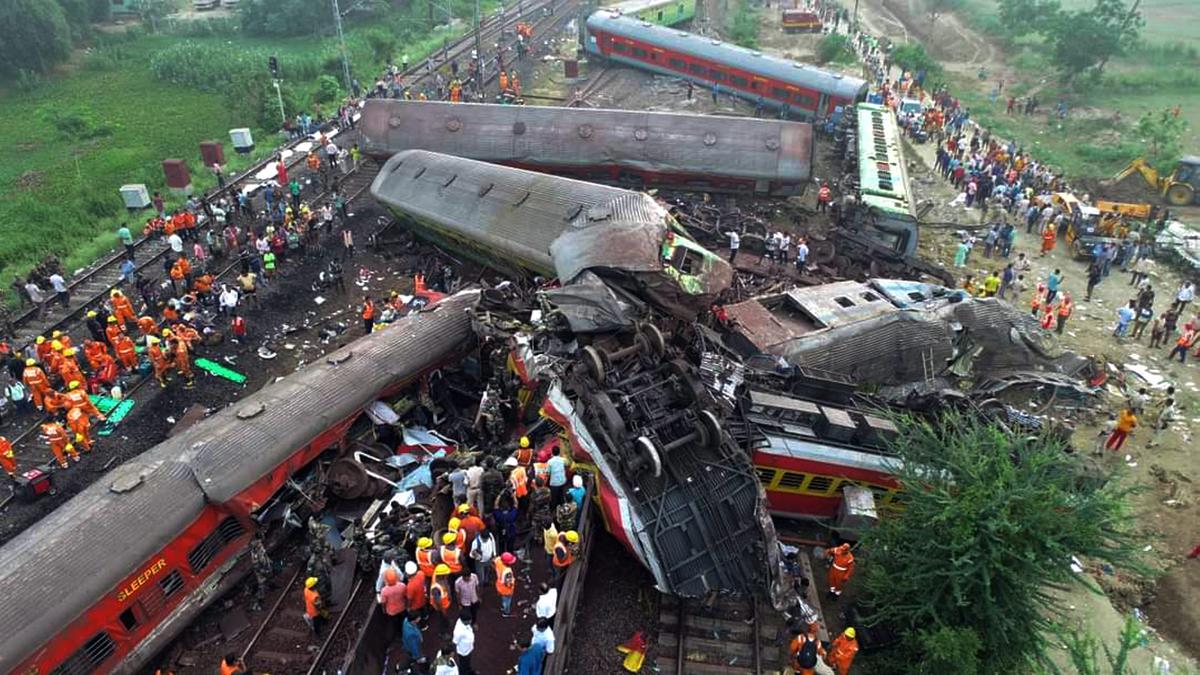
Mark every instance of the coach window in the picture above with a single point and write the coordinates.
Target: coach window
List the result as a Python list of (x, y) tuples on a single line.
[(738, 81), (88, 658), (128, 619), (639, 52), (716, 75), (204, 552), (779, 93), (677, 64), (696, 69), (619, 47), (803, 100)]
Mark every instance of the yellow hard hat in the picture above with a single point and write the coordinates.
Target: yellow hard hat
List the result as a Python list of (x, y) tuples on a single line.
[(150, 339), (91, 314), (424, 542), (310, 582), (70, 447), (464, 508), (454, 524), (112, 319), (70, 351), (30, 362), (56, 334), (40, 339), (166, 332), (449, 538), (573, 536), (442, 569), (524, 441), (850, 633), (116, 292), (73, 385), (78, 438), (56, 346)]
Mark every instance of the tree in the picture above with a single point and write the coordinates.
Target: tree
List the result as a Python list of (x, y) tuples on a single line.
[(912, 57), (835, 48), (1023, 17), (1162, 132), (285, 17), (36, 36), (989, 524), (1084, 41)]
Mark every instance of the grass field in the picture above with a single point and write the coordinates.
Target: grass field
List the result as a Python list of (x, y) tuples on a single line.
[(1097, 139), (116, 123)]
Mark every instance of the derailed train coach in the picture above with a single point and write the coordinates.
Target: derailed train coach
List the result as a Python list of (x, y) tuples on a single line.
[(521, 222), (631, 148), (106, 580)]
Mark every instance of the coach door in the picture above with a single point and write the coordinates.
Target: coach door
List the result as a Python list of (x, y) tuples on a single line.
[(822, 104), (658, 56)]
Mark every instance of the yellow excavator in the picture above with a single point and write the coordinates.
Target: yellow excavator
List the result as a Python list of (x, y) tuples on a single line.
[(1179, 188)]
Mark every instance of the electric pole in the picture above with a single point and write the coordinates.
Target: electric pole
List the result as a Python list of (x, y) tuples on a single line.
[(337, 21), (478, 48)]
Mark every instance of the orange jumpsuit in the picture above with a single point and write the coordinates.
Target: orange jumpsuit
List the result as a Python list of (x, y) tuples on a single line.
[(841, 569), (35, 378), (78, 398), (55, 402), (114, 331), (123, 309), (146, 326), (93, 351), (8, 461), (53, 360), (126, 352), (183, 361), (794, 650), (841, 654), (43, 350), (56, 436), (69, 371), (160, 363), (77, 419)]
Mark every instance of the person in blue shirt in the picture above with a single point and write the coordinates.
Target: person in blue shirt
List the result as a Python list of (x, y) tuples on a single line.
[(577, 491), (532, 657), (557, 468), (411, 637), (1053, 283)]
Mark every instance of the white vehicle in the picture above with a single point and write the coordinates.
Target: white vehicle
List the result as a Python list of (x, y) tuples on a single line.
[(201, 5), (911, 106)]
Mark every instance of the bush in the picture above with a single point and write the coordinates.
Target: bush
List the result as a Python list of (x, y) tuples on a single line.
[(745, 26), (77, 124), (214, 67), (835, 48), (912, 57), (327, 89)]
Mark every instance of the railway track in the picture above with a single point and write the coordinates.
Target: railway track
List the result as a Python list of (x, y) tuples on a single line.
[(719, 636)]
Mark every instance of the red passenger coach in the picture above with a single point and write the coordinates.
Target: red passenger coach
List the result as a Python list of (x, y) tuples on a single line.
[(793, 88), (108, 579)]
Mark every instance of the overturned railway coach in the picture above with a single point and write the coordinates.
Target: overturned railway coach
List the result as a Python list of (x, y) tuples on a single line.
[(625, 147), (105, 581), (793, 88), (519, 221)]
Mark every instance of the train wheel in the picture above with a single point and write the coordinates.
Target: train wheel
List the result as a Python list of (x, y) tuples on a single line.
[(691, 389), (649, 452), (822, 251), (711, 427), (654, 339), (610, 418), (594, 362)]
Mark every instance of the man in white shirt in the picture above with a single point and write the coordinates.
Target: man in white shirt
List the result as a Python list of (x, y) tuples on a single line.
[(464, 643), (547, 602), (801, 254), (60, 289), (735, 242), (176, 243), (544, 634)]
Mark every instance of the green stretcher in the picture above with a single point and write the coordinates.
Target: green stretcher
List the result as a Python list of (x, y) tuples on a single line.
[(214, 368), (114, 410)]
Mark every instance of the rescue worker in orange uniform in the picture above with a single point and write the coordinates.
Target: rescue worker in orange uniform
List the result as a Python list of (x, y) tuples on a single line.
[(146, 326), (841, 569), (439, 591), (158, 360), (8, 461), (460, 535), (518, 480), (76, 397), (59, 442), (524, 452), (842, 651), (503, 81), (450, 553), (506, 581), (183, 361), (37, 382), (314, 606), (54, 358), (564, 552), (426, 556), (232, 665), (61, 337), (113, 331), (55, 402), (126, 353), (803, 653), (41, 348), (122, 308), (69, 369), (368, 314), (93, 351), (824, 196), (78, 421)]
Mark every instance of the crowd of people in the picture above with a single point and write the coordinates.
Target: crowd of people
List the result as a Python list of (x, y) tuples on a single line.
[(432, 587)]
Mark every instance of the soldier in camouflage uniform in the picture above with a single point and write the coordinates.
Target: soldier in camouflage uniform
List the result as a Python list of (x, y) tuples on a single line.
[(260, 562)]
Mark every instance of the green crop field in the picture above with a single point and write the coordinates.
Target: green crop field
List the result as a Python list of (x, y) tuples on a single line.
[(109, 118)]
